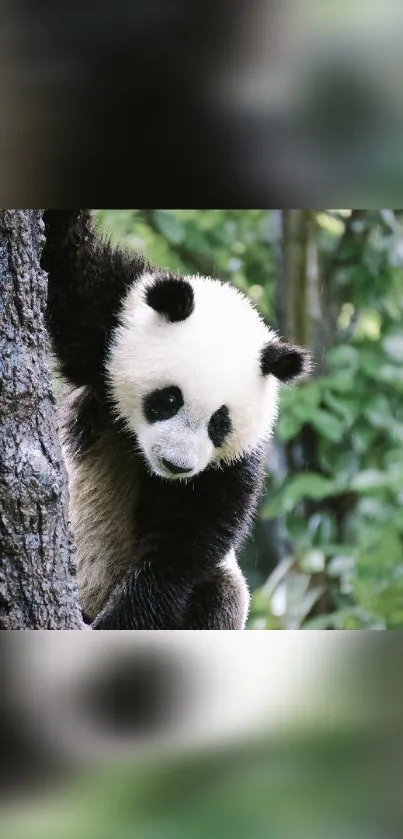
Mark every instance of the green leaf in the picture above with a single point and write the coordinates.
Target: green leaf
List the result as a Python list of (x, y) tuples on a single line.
[(371, 363), (390, 373), (313, 561), (328, 425), (196, 239), (347, 409), (339, 618), (373, 479), (393, 346), (308, 485), (369, 479), (169, 226), (343, 357), (288, 426), (341, 564), (362, 438), (281, 570), (379, 415)]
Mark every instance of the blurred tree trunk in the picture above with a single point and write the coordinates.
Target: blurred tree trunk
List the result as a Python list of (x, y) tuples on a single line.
[(309, 297), (37, 584), (299, 292), (299, 312), (301, 319)]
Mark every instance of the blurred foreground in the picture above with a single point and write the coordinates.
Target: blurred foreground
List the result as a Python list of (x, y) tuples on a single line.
[(201, 735)]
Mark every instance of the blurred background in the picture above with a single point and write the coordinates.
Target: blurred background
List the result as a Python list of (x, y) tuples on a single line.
[(220, 103), (327, 551)]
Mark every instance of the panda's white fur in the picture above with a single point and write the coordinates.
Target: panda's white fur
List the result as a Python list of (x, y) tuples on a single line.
[(229, 565), (213, 356)]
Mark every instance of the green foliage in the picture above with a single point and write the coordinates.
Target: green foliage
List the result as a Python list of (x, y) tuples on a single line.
[(234, 791), (228, 244), (340, 517), (356, 411)]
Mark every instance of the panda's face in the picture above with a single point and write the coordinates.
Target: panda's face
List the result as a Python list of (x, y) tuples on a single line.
[(178, 439), (194, 373)]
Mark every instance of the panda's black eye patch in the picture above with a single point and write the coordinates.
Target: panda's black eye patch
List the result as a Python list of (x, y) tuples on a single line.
[(162, 404), (219, 426)]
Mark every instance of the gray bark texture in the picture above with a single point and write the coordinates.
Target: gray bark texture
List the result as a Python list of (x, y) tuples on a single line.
[(37, 563)]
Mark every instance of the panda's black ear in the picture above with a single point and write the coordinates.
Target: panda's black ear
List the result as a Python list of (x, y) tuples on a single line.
[(172, 297), (285, 361)]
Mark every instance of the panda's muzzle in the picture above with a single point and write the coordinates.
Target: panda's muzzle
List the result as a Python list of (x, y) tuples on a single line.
[(173, 467)]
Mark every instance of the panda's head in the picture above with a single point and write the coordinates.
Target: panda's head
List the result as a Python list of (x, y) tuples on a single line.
[(194, 372)]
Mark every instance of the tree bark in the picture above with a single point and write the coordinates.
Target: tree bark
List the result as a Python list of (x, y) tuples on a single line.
[(37, 562)]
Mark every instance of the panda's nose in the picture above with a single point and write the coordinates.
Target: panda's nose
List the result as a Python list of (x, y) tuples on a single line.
[(173, 467)]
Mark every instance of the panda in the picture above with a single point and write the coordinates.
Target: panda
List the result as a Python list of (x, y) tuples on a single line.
[(170, 399)]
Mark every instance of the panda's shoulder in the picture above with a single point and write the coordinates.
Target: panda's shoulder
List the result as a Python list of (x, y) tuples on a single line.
[(83, 418)]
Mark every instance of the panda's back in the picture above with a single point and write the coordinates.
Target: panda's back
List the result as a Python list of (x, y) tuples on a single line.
[(103, 486)]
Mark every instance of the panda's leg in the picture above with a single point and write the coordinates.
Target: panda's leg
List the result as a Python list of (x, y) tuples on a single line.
[(222, 602), (87, 281), (143, 601), (146, 599)]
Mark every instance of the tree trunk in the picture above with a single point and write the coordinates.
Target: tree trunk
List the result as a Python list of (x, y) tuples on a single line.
[(308, 302), (37, 564)]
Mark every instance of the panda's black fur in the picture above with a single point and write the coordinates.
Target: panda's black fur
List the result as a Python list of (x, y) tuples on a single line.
[(180, 530)]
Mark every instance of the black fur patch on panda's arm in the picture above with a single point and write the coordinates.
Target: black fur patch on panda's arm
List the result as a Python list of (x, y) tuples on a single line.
[(216, 604), (184, 530), (147, 599), (191, 525), (83, 417), (87, 282)]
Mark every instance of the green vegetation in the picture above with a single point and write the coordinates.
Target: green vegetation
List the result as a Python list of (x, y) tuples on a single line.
[(328, 548), (311, 786)]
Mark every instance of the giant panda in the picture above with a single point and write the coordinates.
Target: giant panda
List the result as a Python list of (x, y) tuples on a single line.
[(171, 397)]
